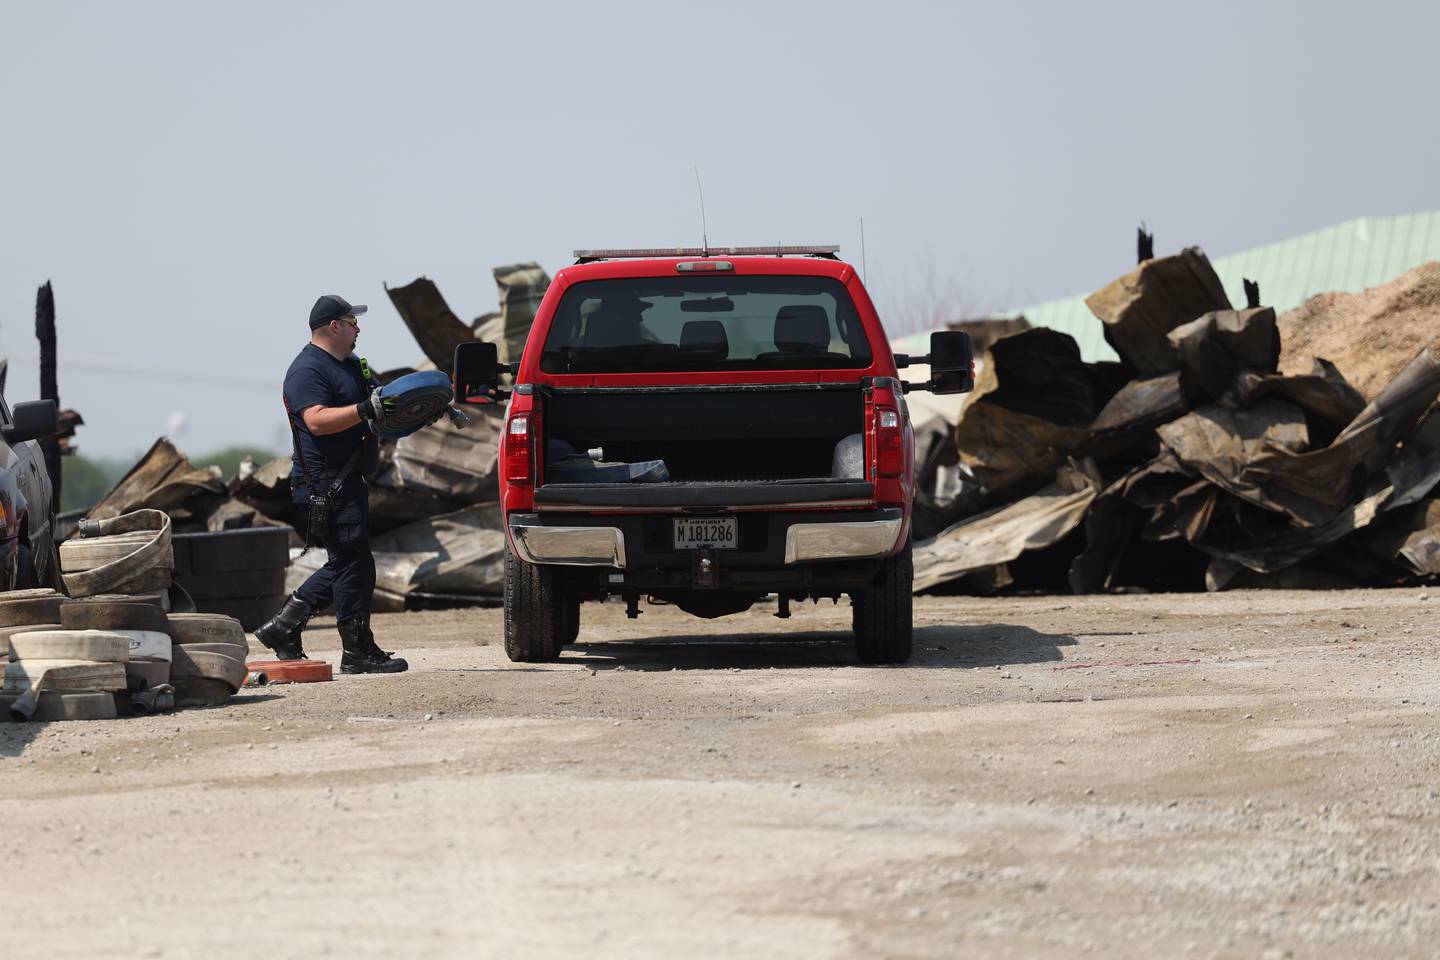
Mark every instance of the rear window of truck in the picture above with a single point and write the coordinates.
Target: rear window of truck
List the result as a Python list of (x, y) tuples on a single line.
[(705, 323)]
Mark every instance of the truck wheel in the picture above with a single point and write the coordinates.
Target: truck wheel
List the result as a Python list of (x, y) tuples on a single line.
[(882, 615), (534, 616), (571, 610)]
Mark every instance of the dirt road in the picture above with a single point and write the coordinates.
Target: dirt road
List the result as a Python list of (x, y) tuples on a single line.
[(1241, 775)]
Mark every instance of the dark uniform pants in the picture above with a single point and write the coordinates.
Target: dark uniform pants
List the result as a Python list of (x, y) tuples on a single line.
[(348, 577)]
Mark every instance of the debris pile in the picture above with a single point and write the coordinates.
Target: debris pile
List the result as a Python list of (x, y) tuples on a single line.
[(1212, 455), (433, 513)]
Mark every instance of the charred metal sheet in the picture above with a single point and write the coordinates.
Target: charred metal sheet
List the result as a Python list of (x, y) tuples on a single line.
[(1216, 348), (459, 553), (1109, 527), (1408, 481), (521, 287), (1039, 373), (1329, 476), (1141, 308), (431, 321), (1002, 535), (1219, 444), (163, 479), (453, 463), (1329, 402), (1143, 404), (1003, 449)]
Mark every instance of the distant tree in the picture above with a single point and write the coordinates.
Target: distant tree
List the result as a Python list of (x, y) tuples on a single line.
[(228, 459), (83, 481)]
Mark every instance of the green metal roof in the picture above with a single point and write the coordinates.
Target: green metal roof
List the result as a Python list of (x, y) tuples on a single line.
[(1350, 257)]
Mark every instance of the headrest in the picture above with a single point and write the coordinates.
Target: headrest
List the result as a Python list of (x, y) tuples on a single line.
[(611, 328), (802, 328), (706, 335)]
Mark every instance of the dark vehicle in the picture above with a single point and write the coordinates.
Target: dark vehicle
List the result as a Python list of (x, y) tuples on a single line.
[(706, 428), (28, 554)]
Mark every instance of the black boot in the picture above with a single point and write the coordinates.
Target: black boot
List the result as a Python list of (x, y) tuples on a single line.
[(361, 655), (281, 632)]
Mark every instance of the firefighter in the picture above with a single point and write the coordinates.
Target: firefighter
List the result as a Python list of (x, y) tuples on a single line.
[(330, 400)]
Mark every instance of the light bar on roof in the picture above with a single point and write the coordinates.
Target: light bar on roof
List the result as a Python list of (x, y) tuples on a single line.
[(826, 250)]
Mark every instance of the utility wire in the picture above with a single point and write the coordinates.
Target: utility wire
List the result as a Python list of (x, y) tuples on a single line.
[(157, 374)]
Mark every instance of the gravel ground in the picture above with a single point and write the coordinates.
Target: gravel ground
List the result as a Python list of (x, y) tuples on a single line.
[(1237, 775)]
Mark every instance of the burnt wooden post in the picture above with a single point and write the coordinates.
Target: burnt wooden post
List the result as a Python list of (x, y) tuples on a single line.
[(1252, 293), (49, 389), (1144, 245)]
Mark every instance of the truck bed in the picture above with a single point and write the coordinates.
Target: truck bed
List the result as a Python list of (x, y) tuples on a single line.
[(716, 434)]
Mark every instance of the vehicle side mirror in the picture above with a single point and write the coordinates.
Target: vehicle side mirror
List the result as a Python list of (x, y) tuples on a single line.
[(952, 362), (477, 373), (31, 421)]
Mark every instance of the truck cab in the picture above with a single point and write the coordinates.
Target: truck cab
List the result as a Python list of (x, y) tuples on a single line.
[(706, 428)]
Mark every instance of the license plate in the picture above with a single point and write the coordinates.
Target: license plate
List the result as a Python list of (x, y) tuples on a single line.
[(705, 533)]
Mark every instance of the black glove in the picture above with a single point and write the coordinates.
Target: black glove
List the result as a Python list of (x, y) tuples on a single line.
[(373, 407)]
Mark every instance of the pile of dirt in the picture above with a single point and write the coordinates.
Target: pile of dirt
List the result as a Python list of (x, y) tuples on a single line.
[(1369, 336)]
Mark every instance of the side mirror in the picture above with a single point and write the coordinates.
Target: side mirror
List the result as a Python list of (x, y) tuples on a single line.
[(477, 372), (952, 363), (31, 421)]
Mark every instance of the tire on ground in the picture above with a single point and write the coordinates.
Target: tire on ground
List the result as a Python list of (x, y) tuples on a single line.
[(112, 615), (533, 615), (570, 609), (883, 615), (205, 628)]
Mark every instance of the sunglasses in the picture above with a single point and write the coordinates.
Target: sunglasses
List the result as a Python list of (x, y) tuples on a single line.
[(350, 320)]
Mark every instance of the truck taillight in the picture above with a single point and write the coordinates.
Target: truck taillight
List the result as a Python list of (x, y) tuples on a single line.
[(889, 442), (518, 447)]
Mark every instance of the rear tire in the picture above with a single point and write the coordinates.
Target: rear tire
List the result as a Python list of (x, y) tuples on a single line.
[(534, 615), (883, 615), (571, 610)]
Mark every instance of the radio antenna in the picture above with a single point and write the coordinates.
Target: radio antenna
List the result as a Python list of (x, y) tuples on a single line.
[(863, 270), (704, 231)]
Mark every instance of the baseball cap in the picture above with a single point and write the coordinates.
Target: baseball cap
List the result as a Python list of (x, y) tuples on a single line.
[(333, 307)]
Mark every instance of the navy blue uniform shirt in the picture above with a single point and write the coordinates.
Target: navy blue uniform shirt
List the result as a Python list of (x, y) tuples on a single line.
[(316, 378)]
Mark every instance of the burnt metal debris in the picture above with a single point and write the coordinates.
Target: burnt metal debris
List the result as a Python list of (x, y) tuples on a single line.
[(1195, 463)]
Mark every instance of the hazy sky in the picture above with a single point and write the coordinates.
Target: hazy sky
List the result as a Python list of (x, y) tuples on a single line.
[(192, 175)]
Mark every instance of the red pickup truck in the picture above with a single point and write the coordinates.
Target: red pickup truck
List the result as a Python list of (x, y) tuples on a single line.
[(706, 428)]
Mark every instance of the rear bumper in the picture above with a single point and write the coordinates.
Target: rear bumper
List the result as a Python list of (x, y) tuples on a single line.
[(766, 540), (847, 540), (567, 546)]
